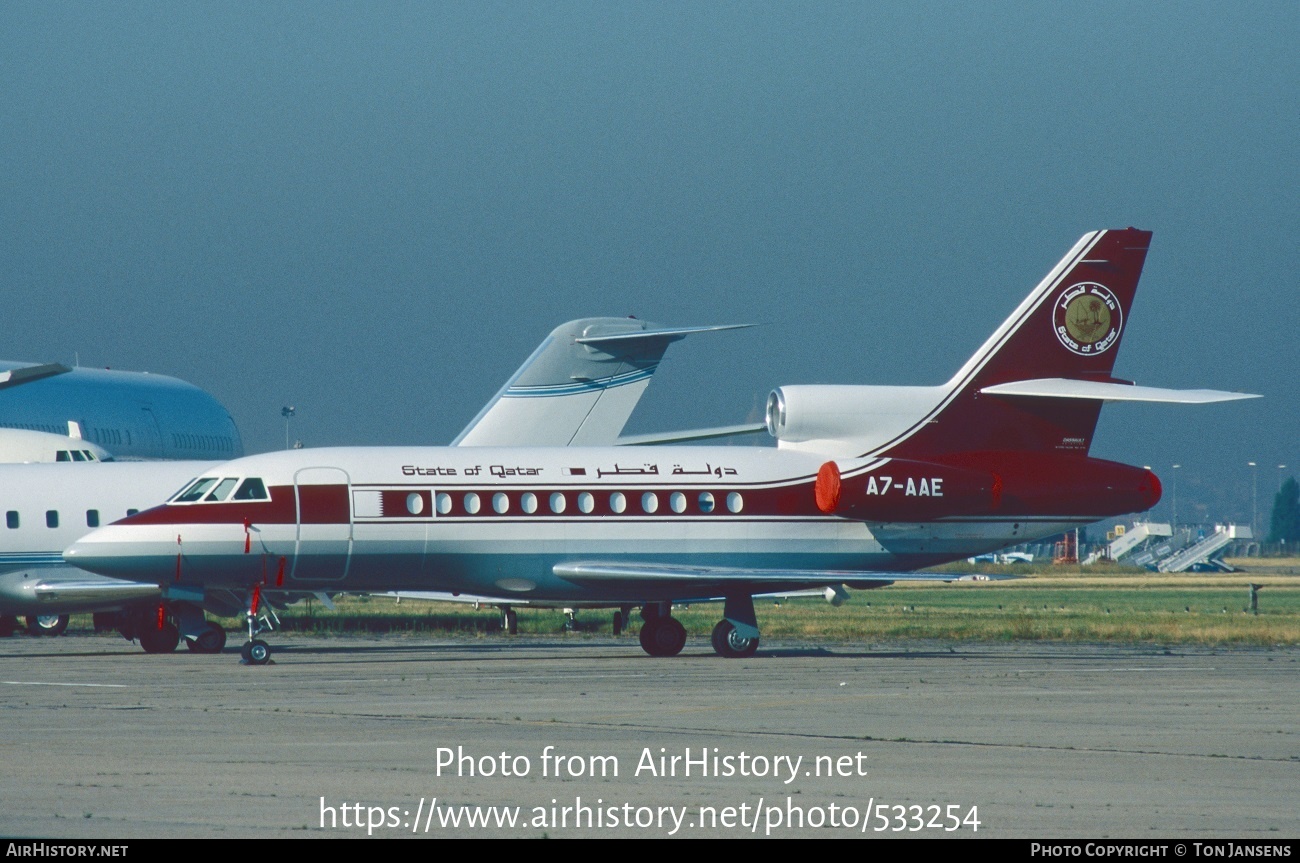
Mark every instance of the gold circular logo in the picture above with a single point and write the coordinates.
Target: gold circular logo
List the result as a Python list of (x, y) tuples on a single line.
[(1087, 318)]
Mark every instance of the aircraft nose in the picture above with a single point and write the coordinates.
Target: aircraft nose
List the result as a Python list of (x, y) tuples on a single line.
[(102, 551)]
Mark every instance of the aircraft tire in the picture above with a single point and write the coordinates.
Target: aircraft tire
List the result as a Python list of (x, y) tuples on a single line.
[(510, 621), (664, 636), (47, 624), (728, 643), (155, 640), (256, 652), (618, 623), (210, 640)]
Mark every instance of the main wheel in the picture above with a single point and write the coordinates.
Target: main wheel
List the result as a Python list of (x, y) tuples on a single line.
[(210, 640), (510, 621), (663, 637), (47, 624), (155, 640), (618, 623), (729, 643), (256, 652)]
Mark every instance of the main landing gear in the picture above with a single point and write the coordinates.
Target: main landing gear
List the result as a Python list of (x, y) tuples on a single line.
[(47, 624), (509, 620), (735, 636), (661, 634)]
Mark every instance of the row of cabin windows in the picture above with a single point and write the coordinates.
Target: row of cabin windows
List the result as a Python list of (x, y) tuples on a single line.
[(13, 521), (586, 502), (219, 443), (97, 435)]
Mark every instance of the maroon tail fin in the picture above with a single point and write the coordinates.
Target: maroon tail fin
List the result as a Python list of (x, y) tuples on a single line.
[(1070, 327)]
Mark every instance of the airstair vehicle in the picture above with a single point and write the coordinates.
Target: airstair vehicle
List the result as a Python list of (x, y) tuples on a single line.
[(1128, 540), (1203, 551)]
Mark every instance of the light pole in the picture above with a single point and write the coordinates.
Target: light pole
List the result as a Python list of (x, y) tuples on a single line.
[(1254, 497), (1174, 476), (289, 410)]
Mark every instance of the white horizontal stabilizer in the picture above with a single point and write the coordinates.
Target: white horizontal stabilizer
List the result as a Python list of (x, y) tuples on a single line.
[(1065, 388)]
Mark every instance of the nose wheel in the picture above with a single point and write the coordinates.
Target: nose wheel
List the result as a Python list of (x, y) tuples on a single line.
[(255, 652)]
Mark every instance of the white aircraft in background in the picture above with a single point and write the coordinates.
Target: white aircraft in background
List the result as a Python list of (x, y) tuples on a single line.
[(583, 382), (866, 485), (55, 413), (134, 415)]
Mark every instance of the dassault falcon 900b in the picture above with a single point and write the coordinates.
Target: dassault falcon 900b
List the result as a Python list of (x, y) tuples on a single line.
[(865, 485)]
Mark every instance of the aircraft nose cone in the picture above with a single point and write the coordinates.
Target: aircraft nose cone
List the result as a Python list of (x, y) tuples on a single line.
[(102, 552)]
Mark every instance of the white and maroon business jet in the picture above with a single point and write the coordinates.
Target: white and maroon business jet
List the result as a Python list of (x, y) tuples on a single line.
[(865, 485)]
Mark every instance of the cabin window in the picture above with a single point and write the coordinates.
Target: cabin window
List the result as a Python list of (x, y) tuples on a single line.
[(586, 502), (251, 489), (706, 502), (677, 502), (650, 502), (51, 518), (558, 502), (501, 502), (11, 519), (131, 512), (529, 502), (92, 518), (617, 502), (471, 503), (735, 502), (222, 490), (444, 503)]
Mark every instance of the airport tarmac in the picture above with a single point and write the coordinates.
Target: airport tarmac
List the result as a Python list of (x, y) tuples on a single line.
[(1039, 741)]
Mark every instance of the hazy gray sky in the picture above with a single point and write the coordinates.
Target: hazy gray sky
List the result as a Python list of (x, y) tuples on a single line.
[(374, 211)]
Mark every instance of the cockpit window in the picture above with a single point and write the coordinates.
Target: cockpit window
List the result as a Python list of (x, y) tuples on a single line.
[(222, 490), (62, 455), (251, 489), (78, 455), (195, 491)]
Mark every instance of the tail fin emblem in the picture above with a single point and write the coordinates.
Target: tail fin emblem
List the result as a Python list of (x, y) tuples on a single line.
[(1088, 318)]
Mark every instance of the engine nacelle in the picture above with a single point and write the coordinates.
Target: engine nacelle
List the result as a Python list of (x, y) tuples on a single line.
[(857, 418)]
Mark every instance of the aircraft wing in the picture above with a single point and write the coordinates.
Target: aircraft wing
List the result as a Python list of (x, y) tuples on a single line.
[(657, 438), (579, 387), (62, 589), (708, 581), (482, 599)]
